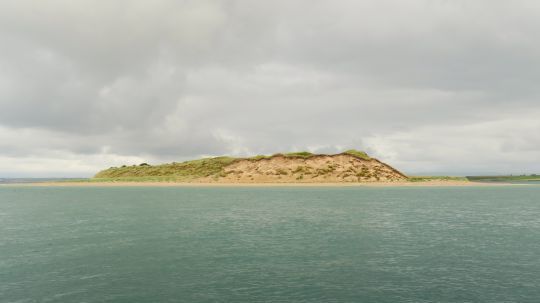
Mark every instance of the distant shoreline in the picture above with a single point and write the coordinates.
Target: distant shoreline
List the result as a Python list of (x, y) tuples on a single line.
[(436, 183)]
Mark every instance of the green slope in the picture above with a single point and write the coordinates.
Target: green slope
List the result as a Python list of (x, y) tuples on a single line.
[(194, 169)]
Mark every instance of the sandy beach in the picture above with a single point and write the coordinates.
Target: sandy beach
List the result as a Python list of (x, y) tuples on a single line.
[(197, 184)]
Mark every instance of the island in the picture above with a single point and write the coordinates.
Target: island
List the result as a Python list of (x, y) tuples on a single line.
[(297, 167), (349, 167)]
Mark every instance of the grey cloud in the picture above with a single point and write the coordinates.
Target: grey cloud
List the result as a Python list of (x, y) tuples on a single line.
[(170, 80)]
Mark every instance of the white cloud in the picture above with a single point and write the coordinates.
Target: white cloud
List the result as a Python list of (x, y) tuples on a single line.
[(494, 147)]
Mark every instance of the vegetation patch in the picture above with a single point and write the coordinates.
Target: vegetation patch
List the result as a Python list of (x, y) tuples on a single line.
[(510, 178), (281, 171), (299, 169), (259, 157), (435, 178), (357, 153), (302, 154), (185, 170)]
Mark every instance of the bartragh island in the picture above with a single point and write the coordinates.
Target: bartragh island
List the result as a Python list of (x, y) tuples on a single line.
[(300, 167)]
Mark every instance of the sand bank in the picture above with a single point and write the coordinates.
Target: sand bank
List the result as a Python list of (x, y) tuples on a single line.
[(193, 184)]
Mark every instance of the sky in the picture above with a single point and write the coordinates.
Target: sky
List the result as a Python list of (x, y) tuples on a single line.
[(428, 86)]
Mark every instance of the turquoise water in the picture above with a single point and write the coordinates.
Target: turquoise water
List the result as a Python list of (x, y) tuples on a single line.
[(96, 244)]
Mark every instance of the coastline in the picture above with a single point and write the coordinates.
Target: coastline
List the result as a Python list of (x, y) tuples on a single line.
[(436, 183)]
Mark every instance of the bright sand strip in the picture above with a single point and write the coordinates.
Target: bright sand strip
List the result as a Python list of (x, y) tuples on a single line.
[(195, 184)]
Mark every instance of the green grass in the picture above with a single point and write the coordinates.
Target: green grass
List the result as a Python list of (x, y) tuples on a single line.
[(259, 157), (306, 155), (505, 178), (185, 170), (435, 178), (302, 154), (357, 153)]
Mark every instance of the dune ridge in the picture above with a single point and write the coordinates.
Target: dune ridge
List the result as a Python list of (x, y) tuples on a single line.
[(300, 167)]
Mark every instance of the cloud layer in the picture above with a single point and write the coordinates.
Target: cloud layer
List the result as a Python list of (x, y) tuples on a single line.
[(430, 86)]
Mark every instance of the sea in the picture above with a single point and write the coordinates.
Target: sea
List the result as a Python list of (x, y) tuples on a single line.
[(270, 244)]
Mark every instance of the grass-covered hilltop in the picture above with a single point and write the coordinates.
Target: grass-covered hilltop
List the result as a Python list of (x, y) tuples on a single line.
[(299, 167)]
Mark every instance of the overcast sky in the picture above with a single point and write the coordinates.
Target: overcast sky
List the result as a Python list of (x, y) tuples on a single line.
[(428, 86)]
